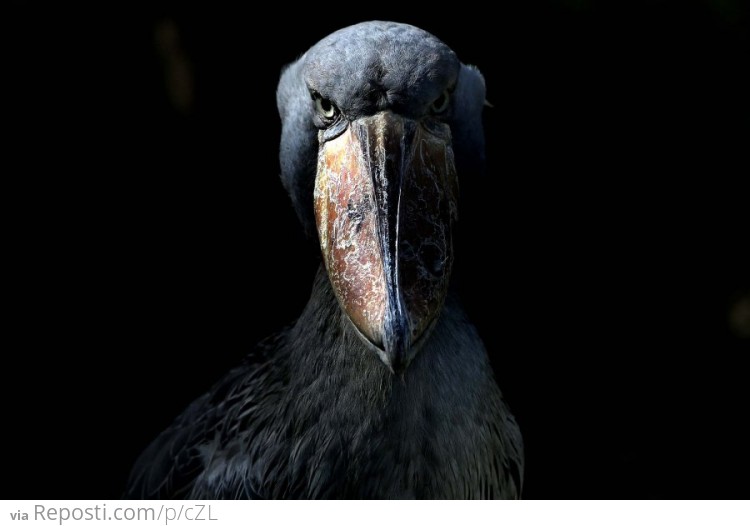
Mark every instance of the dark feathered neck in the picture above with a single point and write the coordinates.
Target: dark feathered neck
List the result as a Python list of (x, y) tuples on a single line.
[(438, 430), (325, 345), (328, 357)]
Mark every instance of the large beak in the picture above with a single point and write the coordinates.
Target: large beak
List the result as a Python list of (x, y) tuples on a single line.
[(385, 201)]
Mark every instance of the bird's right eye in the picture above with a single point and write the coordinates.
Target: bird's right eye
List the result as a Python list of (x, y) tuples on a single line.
[(325, 108)]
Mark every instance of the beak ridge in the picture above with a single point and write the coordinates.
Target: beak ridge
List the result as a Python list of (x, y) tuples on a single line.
[(385, 197)]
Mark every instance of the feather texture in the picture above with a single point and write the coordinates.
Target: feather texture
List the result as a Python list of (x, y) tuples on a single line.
[(312, 413)]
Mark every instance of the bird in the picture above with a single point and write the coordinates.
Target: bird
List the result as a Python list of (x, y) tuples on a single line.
[(382, 388)]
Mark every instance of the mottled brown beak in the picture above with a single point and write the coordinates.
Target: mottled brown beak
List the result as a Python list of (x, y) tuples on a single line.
[(385, 201)]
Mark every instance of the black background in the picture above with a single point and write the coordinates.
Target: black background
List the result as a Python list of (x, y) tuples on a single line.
[(151, 244)]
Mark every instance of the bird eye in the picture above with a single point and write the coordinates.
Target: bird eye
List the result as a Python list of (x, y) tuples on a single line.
[(440, 104), (325, 108)]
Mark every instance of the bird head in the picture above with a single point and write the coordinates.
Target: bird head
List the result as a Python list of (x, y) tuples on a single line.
[(378, 120)]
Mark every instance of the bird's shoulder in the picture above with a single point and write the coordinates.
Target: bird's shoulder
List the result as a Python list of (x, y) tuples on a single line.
[(476, 429), (183, 461)]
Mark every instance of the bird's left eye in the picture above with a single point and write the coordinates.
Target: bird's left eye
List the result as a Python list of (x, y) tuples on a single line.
[(440, 104), (325, 107)]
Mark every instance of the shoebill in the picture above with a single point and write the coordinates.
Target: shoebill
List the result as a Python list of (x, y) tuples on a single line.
[(382, 388)]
